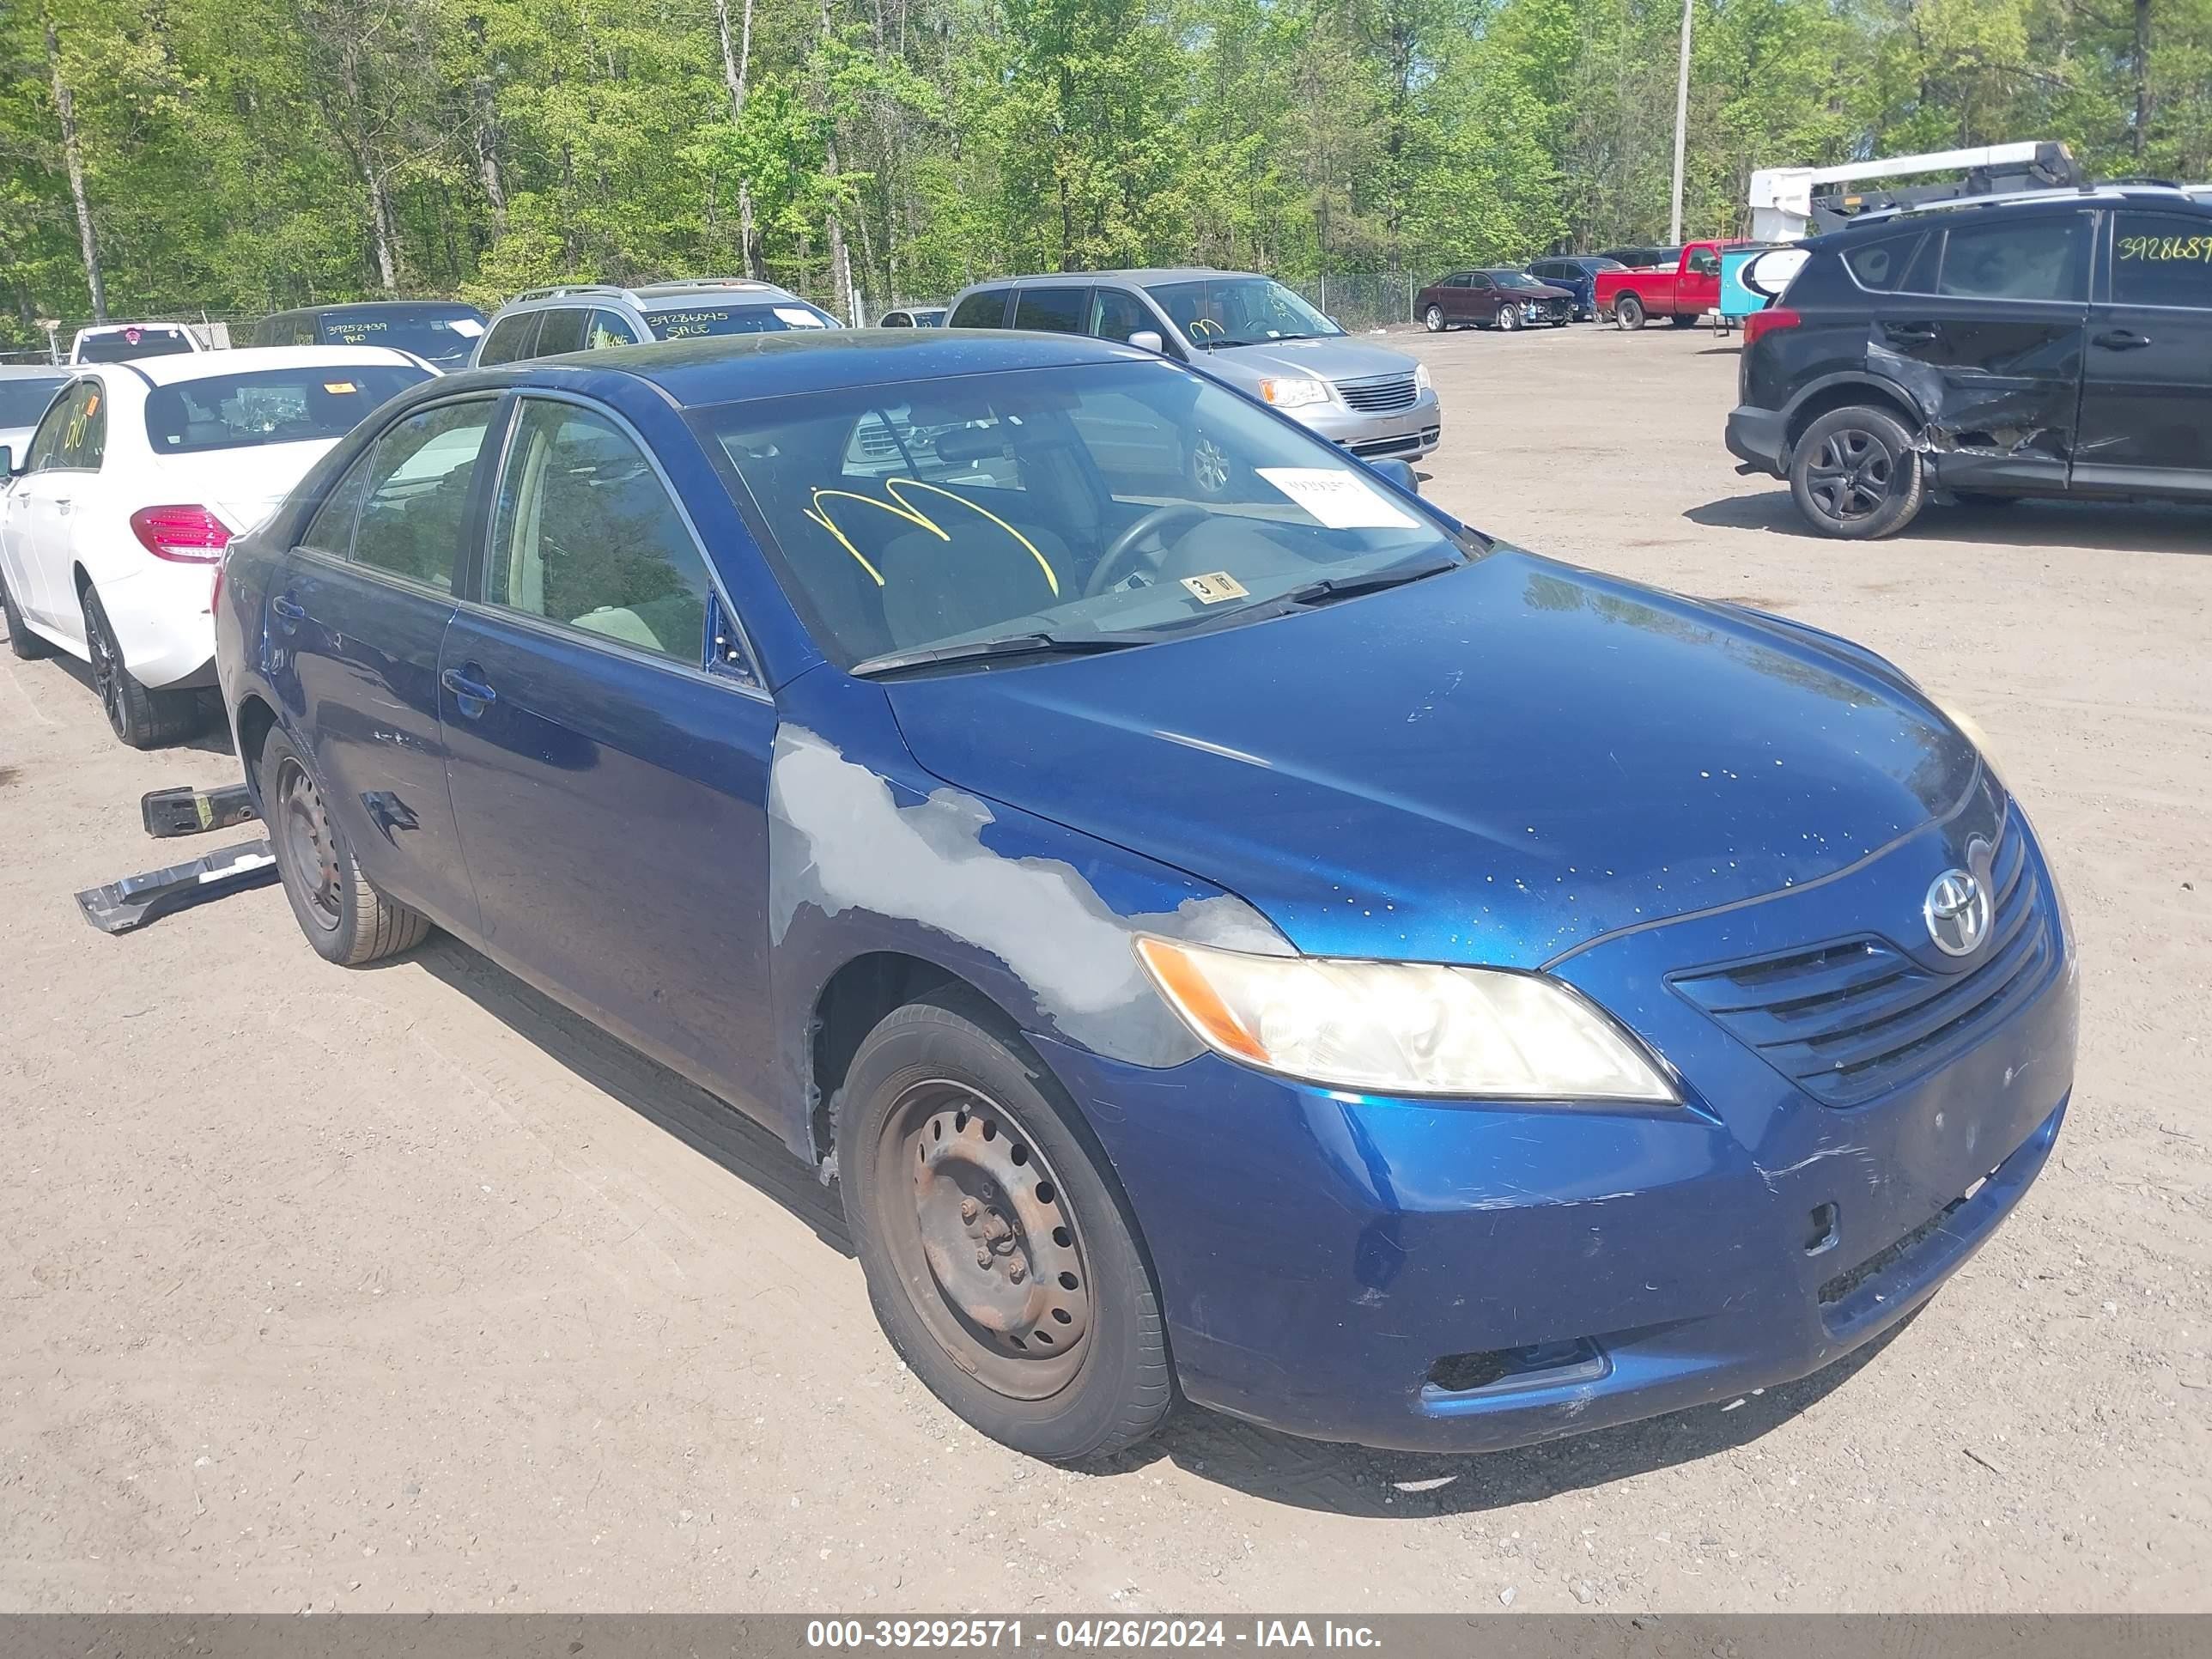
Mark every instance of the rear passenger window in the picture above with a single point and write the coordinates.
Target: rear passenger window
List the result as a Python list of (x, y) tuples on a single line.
[(1052, 310), (331, 531), (985, 310), (2161, 259), (509, 339), (608, 328), (2001, 260), (562, 330), (416, 515), (586, 536), (1881, 266)]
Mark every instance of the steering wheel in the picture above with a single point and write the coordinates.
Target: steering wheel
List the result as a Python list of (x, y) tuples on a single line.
[(1122, 550)]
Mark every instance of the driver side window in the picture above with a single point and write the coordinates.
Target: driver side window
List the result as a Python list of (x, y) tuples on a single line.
[(45, 451)]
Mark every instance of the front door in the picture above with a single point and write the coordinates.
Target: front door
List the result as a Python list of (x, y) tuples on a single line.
[(2147, 385), (1478, 302), (355, 624), (1990, 346), (610, 774)]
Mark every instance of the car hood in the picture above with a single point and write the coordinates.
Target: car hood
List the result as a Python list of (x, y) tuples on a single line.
[(1336, 358), (243, 486), (1492, 766), (1543, 291)]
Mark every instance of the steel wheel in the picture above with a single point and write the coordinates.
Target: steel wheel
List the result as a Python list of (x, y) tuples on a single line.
[(1851, 475), (977, 1223), (312, 850)]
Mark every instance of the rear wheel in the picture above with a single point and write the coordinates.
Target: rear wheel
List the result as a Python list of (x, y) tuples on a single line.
[(142, 717), (1681, 321), (1000, 1261), (346, 919), (1854, 474), (21, 639), (1433, 320), (1628, 312)]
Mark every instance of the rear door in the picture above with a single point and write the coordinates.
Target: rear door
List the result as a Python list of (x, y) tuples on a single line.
[(2146, 381), (1987, 337), (610, 774), (357, 620)]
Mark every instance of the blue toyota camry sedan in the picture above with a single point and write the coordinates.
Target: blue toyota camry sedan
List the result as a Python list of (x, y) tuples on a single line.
[(1227, 929)]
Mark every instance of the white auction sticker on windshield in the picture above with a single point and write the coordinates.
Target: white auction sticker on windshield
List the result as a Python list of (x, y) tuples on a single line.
[(797, 317), (1341, 500)]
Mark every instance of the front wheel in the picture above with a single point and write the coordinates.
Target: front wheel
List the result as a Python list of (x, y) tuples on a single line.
[(1628, 312), (1509, 318), (1433, 320), (1856, 475), (999, 1260)]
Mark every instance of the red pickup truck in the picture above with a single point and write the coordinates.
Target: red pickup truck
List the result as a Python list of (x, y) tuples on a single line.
[(1683, 295)]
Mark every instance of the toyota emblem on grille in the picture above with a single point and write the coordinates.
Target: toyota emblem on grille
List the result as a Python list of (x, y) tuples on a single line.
[(1957, 910)]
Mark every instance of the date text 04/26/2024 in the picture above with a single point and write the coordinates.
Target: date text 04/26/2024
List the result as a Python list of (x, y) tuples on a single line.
[(1086, 1633)]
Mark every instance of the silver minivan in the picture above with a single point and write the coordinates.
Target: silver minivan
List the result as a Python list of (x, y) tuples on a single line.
[(1248, 331)]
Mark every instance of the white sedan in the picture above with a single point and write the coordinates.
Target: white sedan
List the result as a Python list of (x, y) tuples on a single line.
[(114, 518)]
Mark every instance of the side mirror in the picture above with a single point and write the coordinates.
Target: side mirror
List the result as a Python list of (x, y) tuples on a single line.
[(1399, 473), (1148, 339), (7, 462)]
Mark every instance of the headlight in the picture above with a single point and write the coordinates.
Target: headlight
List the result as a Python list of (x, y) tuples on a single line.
[(1420, 377), (1402, 1028), (1294, 393)]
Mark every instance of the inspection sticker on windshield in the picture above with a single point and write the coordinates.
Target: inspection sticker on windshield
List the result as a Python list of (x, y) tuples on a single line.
[(1216, 587), (1339, 500)]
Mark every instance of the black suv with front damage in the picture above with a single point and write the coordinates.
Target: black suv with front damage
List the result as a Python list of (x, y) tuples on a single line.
[(2055, 345)]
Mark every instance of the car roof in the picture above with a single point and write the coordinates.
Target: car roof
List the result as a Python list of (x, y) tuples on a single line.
[(176, 367), (648, 296), (731, 368), (2185, 198), (317, 309), (1142, 277)]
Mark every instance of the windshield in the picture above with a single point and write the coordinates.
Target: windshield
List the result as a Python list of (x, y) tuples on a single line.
[(1516, 279), (1119, 502), (443, 334), (272, 406), (23, 400), (121, 345), (1237, 311), (700, 322)]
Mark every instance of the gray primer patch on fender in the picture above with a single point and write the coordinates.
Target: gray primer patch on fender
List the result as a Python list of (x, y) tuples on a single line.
[(841, 841)]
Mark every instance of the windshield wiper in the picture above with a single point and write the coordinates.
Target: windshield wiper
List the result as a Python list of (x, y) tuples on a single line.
[(1331, 588), (1007, 645)]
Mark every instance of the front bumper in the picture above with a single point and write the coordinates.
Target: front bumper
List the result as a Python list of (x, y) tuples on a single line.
[(1760, 438), (1404, 435), (1454, 1276)]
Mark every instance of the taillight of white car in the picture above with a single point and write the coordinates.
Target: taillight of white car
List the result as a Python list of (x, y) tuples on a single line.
[(184, 535)]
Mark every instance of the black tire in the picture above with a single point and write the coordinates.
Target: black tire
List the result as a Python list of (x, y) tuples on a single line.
[(21, 639), (1628, 312), (346, 920), (1856, 475), (140, 716), (954, 1144), (1433, 320)]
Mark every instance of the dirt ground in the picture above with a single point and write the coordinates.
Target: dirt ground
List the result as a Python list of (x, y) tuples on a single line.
[(400, 1290)]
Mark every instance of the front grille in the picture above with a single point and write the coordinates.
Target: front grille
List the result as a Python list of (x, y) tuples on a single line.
[(1848, 1021), (1397, 392)]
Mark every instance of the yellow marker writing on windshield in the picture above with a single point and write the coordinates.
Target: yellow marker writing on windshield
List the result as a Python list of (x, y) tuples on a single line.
[(899, 507)]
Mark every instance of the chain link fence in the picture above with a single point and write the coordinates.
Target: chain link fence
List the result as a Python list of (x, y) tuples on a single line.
[(1360, 300)]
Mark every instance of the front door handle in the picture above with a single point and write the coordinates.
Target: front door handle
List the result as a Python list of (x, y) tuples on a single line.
[(473, 694), (2121, 339), (290, 611)]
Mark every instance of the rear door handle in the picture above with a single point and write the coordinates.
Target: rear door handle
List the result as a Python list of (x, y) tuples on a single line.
[(2121, 339), (1910, 333), (467, 690), (290, 611)]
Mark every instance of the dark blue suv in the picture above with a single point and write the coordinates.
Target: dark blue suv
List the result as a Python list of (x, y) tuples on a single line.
[(1265, 940)]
